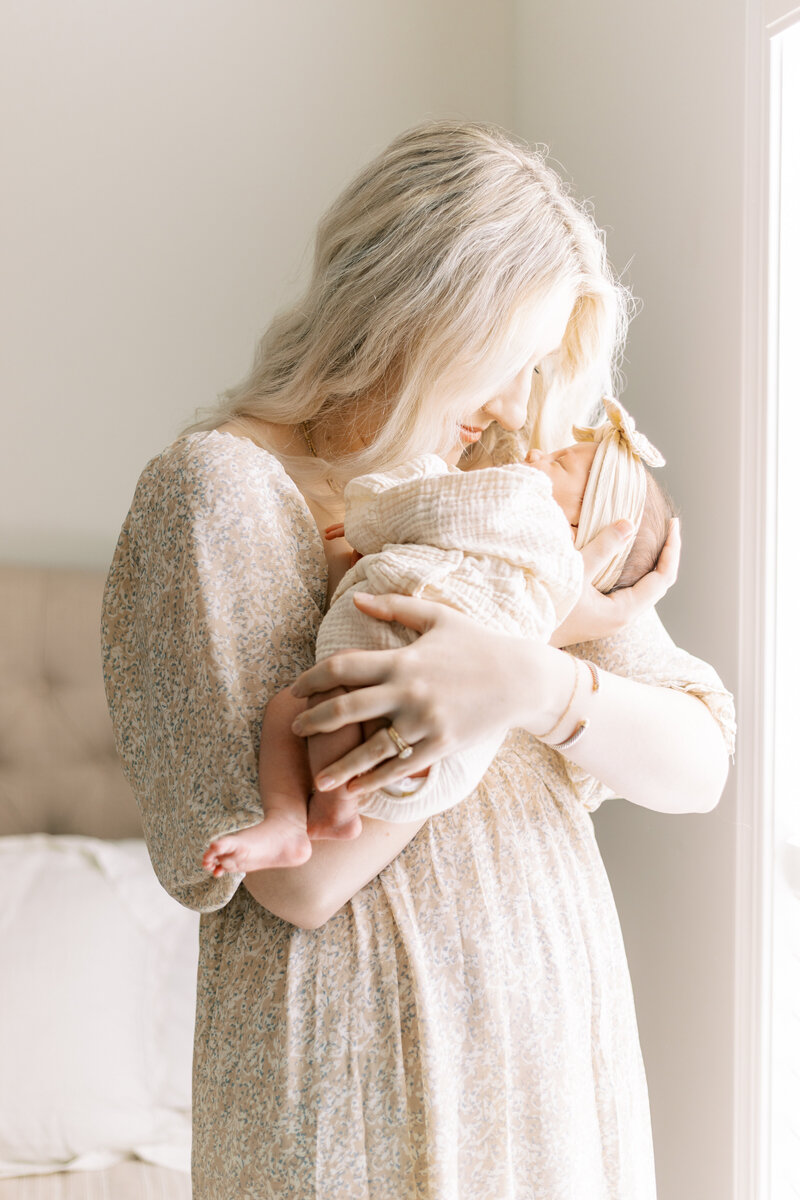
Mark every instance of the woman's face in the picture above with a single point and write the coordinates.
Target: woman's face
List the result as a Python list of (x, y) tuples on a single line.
[(502, 392)]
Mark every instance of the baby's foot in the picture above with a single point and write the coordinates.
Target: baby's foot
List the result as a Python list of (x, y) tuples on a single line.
[(277, 841)]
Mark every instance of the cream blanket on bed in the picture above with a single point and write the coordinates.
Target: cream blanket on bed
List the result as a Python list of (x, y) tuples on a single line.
[(491, 543)]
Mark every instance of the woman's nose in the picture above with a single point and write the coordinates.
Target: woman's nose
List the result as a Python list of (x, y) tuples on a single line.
[(509, 407)]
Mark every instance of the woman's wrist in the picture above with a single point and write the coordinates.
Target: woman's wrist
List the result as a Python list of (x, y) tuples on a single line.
[(550, 676), (561, 699), (573, 722)]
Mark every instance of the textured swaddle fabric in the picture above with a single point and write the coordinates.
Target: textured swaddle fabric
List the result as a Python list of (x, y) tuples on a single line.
[(492, 544)]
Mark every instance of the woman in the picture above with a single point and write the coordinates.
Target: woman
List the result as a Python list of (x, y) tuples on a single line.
[(441, 1011)]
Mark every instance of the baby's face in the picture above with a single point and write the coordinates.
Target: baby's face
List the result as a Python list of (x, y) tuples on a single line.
[(568, 471)]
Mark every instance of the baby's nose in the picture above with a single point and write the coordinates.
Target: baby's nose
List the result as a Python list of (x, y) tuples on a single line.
[(533, 456)]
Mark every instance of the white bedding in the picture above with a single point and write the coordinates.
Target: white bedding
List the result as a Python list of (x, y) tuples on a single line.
[(96, 1017)]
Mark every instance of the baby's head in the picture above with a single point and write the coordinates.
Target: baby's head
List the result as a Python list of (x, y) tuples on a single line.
[(601, 479)]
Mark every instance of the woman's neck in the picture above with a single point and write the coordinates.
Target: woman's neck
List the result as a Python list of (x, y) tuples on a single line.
[(288, 440), (283, 439)]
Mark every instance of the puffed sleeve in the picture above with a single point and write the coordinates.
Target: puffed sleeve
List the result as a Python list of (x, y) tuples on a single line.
[(211, 606), (645, 652)]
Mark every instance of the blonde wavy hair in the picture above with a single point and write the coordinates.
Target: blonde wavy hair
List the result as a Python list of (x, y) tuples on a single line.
[(422, 263)]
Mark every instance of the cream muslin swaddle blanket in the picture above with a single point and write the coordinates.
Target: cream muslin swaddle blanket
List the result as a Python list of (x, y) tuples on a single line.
[(492, 544)]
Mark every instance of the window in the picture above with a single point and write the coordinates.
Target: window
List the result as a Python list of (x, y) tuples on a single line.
[(784, 835)]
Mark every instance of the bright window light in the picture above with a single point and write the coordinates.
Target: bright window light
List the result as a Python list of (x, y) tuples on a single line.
[(785, 380)]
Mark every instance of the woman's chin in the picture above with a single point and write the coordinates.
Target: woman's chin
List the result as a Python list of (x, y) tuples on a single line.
[(457, 453)]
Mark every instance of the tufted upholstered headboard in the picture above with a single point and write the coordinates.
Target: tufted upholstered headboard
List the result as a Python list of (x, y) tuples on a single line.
[(59, 772)]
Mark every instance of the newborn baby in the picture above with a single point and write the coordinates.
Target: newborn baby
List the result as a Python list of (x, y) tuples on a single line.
[(500, 545)]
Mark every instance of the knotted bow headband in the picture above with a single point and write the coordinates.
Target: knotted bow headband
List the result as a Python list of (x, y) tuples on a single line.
[(617, 483)]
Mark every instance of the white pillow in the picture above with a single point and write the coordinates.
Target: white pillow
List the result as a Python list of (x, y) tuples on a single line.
[(97, 991)]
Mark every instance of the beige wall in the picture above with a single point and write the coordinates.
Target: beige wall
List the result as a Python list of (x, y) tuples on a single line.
[(164, 170), (644, 103)]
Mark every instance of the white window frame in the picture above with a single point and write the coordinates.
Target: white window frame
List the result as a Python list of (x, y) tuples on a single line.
[(755, 867)]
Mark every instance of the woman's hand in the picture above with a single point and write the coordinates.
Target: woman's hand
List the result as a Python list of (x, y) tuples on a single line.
[(460, 681), (457, 682), (597, 615)]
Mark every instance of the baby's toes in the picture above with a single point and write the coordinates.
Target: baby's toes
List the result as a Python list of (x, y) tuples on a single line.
[(220, 856)]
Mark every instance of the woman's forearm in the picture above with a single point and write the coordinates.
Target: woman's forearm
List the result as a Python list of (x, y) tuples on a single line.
[(309, 895), (656, 746)]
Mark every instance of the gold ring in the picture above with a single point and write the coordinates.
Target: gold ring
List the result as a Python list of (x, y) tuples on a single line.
[(403, 748)]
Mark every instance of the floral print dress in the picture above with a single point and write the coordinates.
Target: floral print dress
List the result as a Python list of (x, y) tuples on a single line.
[(464, 1027)]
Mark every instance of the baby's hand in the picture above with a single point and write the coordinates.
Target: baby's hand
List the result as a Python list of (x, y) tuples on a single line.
[(332, 532)]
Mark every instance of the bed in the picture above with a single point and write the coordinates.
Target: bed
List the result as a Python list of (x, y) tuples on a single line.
[(97, 986)]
